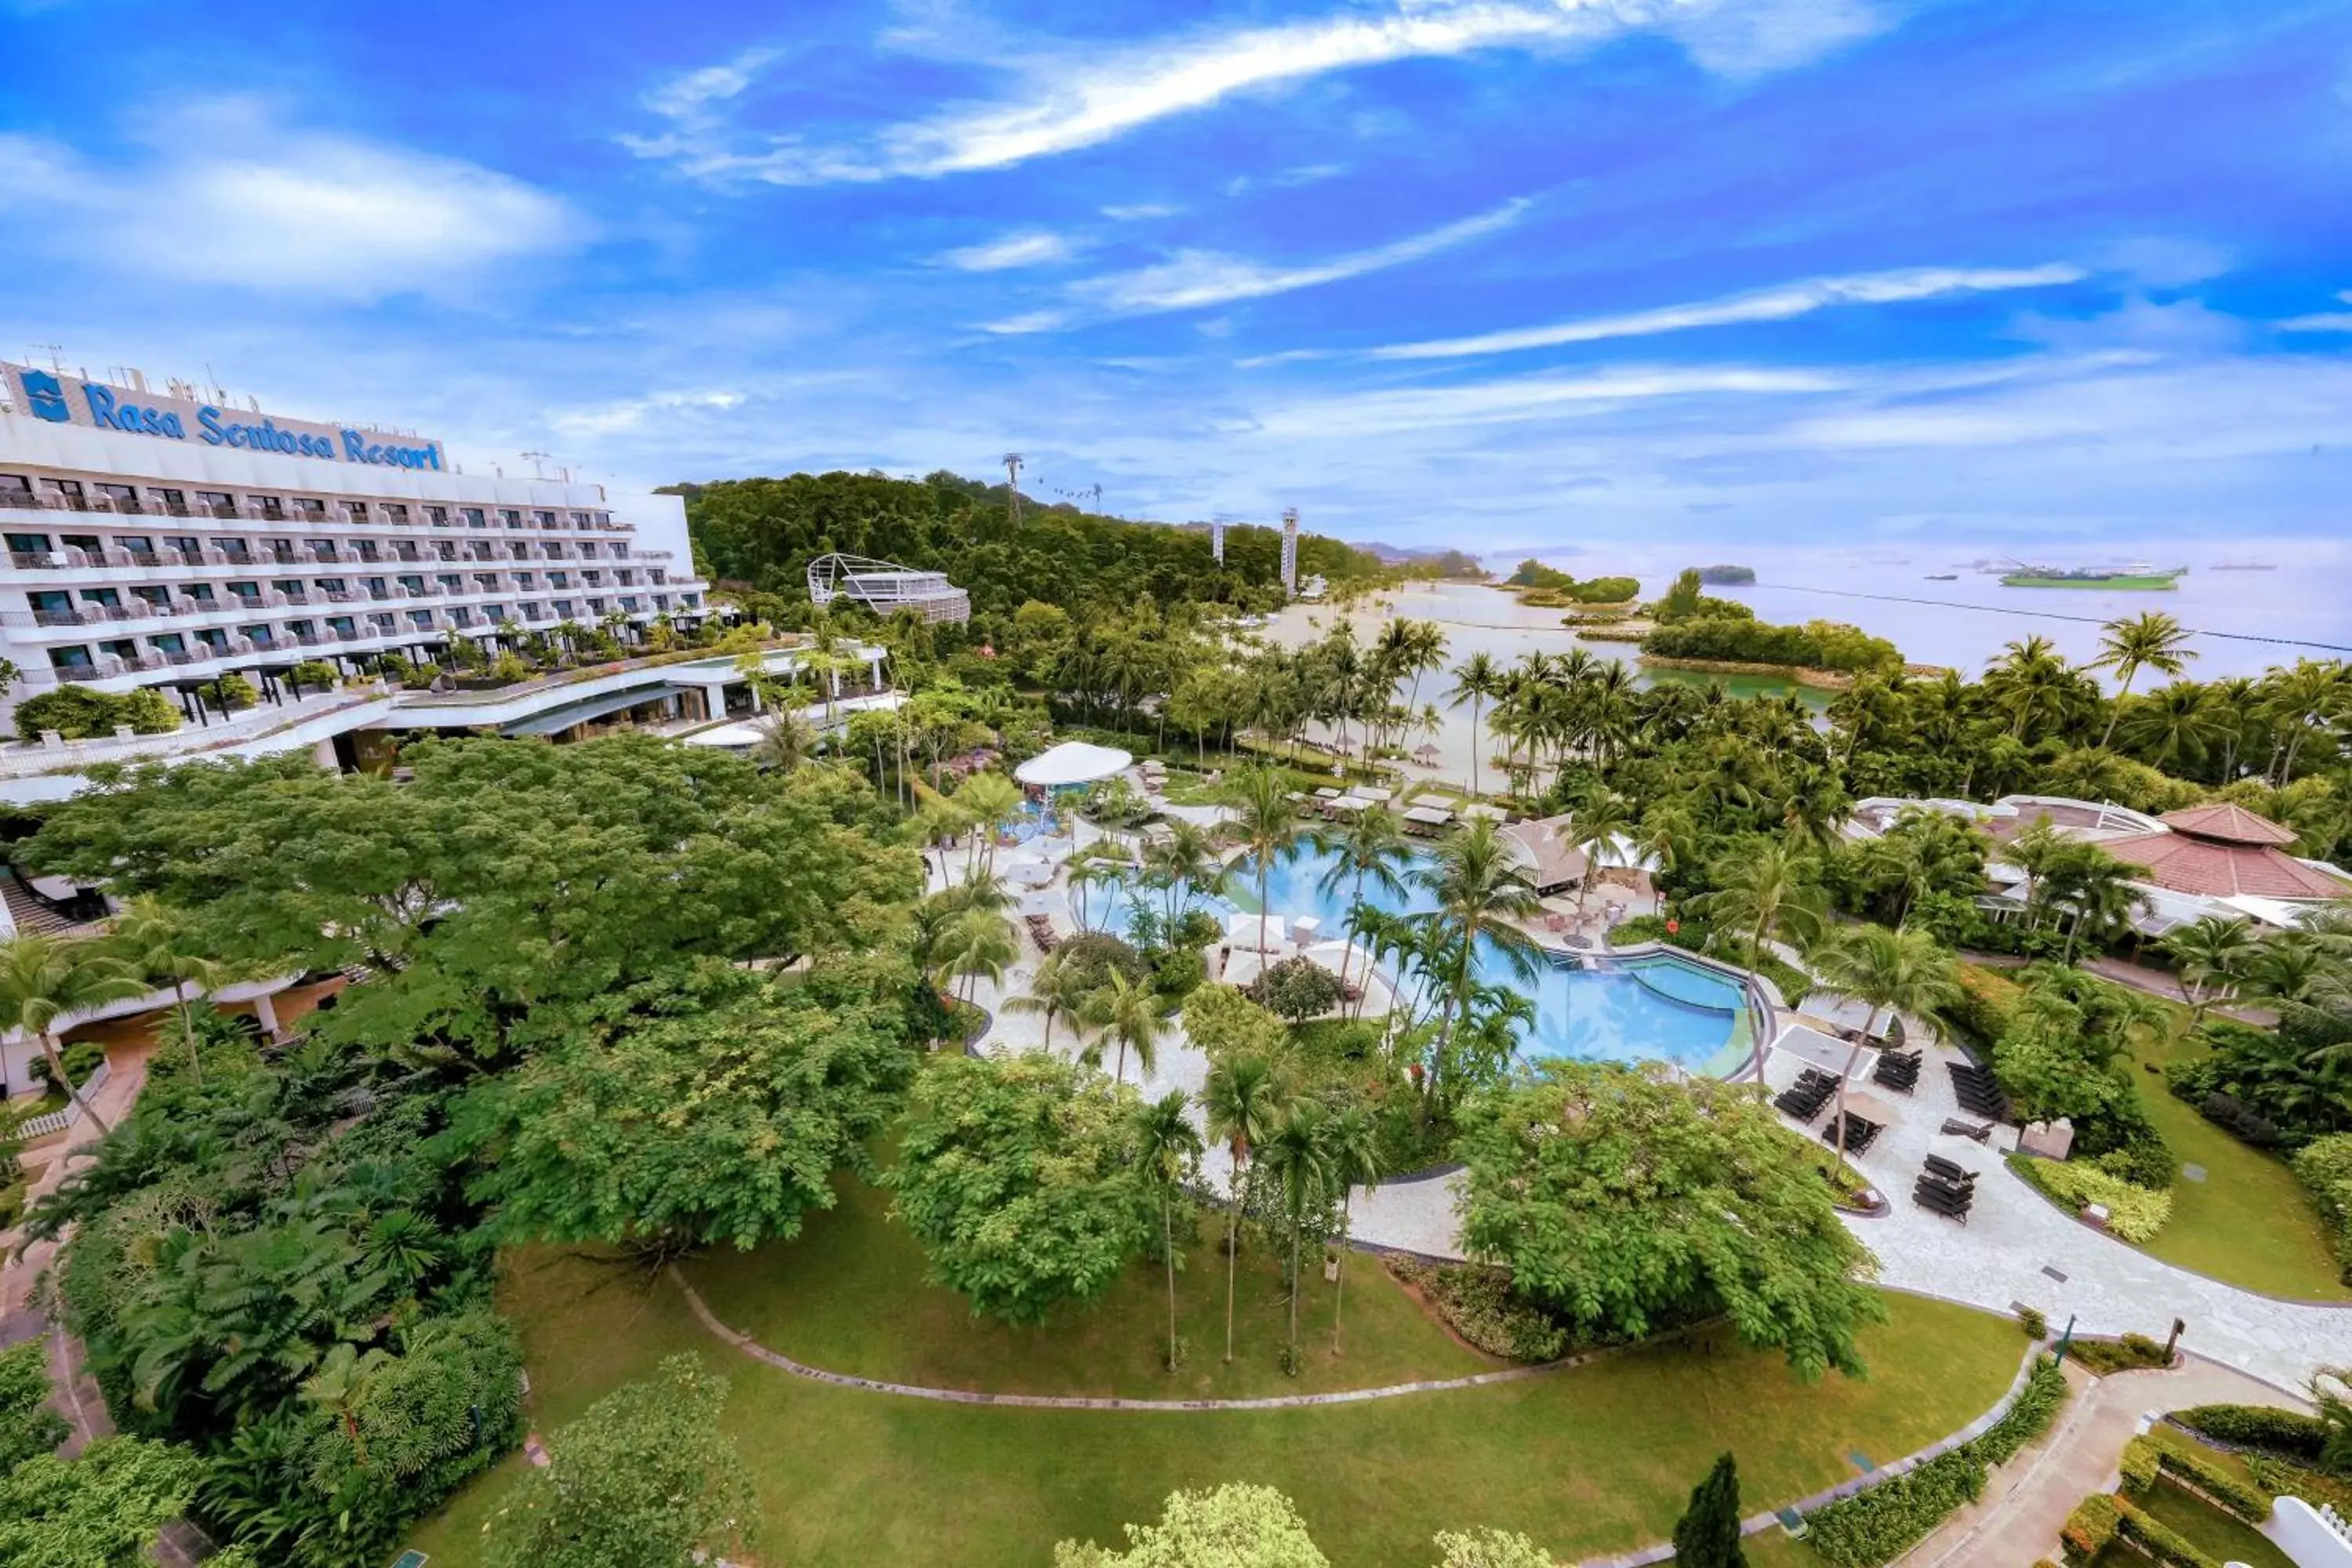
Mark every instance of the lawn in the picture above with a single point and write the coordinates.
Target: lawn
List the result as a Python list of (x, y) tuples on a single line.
[(849, 1296), (2222, 1537), (1599, 1458), (2250, 1222)]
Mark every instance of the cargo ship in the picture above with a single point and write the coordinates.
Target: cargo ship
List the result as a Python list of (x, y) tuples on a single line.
[(2138, 576)]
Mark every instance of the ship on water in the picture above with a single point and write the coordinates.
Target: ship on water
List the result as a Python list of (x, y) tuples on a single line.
[(2139, 575), (2246, 566)]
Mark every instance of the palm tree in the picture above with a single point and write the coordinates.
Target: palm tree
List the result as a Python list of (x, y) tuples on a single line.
[(1769, 891), (1168, 1148), (1267, 821), (2032, 684), (1367, 848), (1184, 861), (1246, 1099), (340, 1386), (2150, 641), (1058, 989), (1480, 896), (786, 741), (2173, 726), (1477, 681), (2097, 889), (992, 800), (44, 978), (1299, 1158), (1087, 874), (1906, 971), (1924, 851), (980, 943), (154, 942), (1593, 830), (2207, 951), (2036, 850), (1133, 1013), (1352, 1144)]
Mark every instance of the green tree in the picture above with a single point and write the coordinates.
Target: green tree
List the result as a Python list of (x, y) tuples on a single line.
[(1247, 1097), (100, 1511), (27, 1425), (159, 946), (1480, 897), (1298, 1158), (1169, 1146), (1707, 1534), (1477, 681), (1767, 890), (1021, 1188), (2150, 641), (1367, 848), (644, 1479), (1594, 831), (1058, 989), (1267, 823), (1893, 972), (719, 1116), (2210, 951), (1234, 1526), (1131, 1013), (44, 978), (1627, 1204), (1490, 1549), (1352, 1145)]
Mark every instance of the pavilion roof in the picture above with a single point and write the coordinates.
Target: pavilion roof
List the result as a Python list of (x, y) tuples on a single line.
[(2229, 823)]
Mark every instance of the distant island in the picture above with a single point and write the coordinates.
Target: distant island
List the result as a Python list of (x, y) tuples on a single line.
[(1450, 564), (1550, 587), (1727, 576)]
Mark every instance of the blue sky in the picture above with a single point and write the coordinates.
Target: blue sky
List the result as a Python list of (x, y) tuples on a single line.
[(1504, 273)]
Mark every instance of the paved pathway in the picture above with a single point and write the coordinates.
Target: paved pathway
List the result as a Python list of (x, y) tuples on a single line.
[(2027, 1500)]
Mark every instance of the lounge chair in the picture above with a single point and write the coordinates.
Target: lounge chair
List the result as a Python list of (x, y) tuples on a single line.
[(1859, 1133), (1976, 1131), (1941, 1200), (1949, 1170)]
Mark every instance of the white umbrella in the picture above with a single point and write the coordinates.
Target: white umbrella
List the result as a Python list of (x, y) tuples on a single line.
[(1966, 1152), (1868, 1106)]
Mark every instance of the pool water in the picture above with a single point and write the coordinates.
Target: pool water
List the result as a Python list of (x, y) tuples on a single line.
[(1657, 1008)]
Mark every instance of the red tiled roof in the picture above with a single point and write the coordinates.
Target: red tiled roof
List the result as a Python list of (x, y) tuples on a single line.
[(2228, 823), (2187, 864)]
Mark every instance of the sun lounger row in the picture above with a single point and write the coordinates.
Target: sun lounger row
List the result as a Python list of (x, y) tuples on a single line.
[(1859, 1133), (1979, 1092), (1950, 1199), (1802, 1101), (1041, 932), (1898, 1070), (1976, 1131)]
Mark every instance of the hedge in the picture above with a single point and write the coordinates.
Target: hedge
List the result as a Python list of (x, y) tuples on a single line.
[(81, 713), (2134, 1213), (1877, 1526), (2159, 1540), (2091, 1525), (2325, 1166), (2286, 1432), (2179, 1458)]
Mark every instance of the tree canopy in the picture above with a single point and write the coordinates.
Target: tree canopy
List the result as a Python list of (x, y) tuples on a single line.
[(1629, 1203)]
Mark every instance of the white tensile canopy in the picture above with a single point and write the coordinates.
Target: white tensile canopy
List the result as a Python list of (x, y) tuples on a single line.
[(1826, 1052), (1071, 764), (1255, 934)]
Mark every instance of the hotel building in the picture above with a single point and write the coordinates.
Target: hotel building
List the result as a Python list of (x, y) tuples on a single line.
[(167, 539)]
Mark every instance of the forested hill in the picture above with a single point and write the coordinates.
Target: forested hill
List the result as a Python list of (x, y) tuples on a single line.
[(764, 532)]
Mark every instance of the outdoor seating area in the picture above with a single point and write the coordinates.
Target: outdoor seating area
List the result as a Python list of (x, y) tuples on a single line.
[(1947, 1179), (1898, 1070), (1803, 1100), (1979, 1092), (1860, 1132)]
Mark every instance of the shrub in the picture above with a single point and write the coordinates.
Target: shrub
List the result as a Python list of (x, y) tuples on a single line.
[(2232, 1115), (1478, 1304), (2325, 1166), (80, 713), (2158, 1541), (1879, 1526), (2127, 1354), (2177, 1456), (2134, 1213), (1097, 954), (2286, 1432), (2138, 1466), (2036, 1326), (315, 672), (231, 692), (1297, 989), (2090, 1528)]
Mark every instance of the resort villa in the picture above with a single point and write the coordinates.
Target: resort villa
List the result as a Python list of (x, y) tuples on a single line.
[(2217, 859)]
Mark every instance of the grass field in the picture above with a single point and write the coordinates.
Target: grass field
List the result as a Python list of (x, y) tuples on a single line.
[(1598, 1459), (2250, 1222)]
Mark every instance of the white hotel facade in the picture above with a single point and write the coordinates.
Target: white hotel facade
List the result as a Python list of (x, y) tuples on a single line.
[(167, 540)]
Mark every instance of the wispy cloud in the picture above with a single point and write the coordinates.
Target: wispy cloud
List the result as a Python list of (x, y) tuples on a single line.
[(1512, 398), (2323, 321), (1781, 303), (1072, 99), (1026, 323), (1137, 211), (1030, 247), (236, 196), (1194, 278)]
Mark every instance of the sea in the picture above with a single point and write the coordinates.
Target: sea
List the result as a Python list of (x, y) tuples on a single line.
[(1943, 605)]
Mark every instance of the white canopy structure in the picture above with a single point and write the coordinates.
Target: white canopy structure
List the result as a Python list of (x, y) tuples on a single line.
[(1826, 1052), (1255, 934), (1071, 764)]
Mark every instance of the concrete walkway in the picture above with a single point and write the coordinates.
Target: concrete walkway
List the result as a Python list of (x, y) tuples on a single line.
[(2027, 1500)]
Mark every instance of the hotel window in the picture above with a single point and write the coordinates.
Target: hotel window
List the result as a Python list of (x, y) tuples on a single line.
[(494, 614), (118, 497), (595, 606), (367, 550), (580, 519), (28, 545), (443, 549), (375, 588), (302, 631), (172, 501), (394, 512), (625, 578), (563, 608), (218, 504), (249, 592), (461, 616), (451, 582), (689, 600), (519, 552), (278, 550), (169, 643), (404, 550), (658, 576), (234, 549), (479, 551), (202, 592), (509, 517), (70, 660), (121, 647), (559, 579), (311, 506), (355, 511), (421, 619), (321, 548), (527, 581), (141, 548), (86, 542), (629, 603), (382, 624), (592, 579), (486, 582), (533, 612), (107, 596), (473, 515), (16, 490), (258, 636), (329, 585), (157, 598), (66, 490), (271, 506), (436, 515), (343, 626), (50, 606), (414, 583), (661, 601), (214, 638)]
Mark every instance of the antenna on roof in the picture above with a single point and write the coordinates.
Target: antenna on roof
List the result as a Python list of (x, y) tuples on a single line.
[(54, 351), (1013, 461), (538, 461)]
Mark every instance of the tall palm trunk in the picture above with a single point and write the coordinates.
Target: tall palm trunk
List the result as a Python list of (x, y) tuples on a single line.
[(1168, 1252), (1233, 1242), (1755, 955), (1339, 1284), (1869, 1028), (73, 1090), (188, 1028)]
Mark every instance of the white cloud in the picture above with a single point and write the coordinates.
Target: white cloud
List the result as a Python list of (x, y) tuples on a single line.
[(1030, 248), (1192, 279), (1776, 304), (234, 199), (2325, 321), (1137, 211), (1533, 397), (1028, 321), (1073, 95)]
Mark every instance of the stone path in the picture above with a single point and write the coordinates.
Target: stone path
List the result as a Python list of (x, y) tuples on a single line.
[(2027, 1500)]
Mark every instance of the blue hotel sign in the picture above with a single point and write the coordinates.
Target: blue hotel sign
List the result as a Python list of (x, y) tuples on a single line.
[(69, 400)]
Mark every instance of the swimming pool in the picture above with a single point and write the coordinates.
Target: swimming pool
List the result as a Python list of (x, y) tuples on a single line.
[(1652, 1007)]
